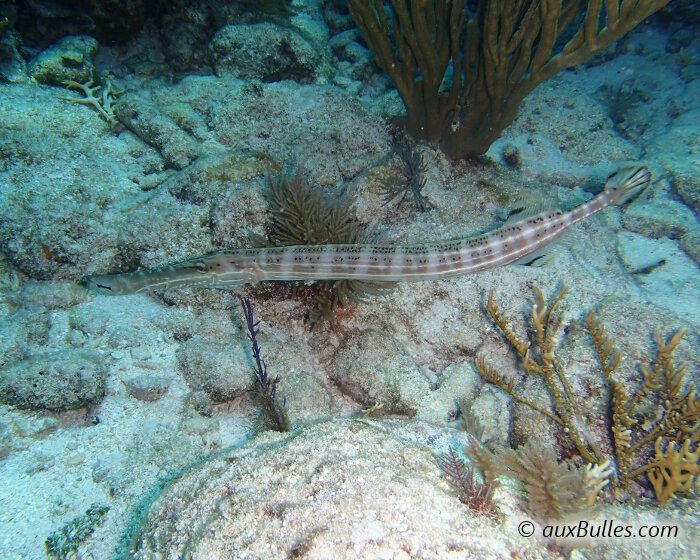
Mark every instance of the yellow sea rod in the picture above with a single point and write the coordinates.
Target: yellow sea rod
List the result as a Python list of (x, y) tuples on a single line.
[(376, 263)]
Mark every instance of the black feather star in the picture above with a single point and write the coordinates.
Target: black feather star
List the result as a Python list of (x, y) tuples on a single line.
[(413, 169)]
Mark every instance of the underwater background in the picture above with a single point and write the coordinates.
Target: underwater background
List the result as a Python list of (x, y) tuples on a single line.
[(135, 134)]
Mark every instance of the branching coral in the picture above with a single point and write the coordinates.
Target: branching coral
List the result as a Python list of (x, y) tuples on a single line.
[(463, 77), (672, 467), (99, 98), (541, 360), (672, 470)]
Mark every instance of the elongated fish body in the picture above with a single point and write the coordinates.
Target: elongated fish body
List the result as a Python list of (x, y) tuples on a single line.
[(376, 263)]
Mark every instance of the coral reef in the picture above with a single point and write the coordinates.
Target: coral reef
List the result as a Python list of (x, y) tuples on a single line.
[(143, 388)]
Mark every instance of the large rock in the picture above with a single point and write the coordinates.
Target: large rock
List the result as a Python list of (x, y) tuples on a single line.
[(264, 51), (353, 489), (60, 380), (340, 489), (68, 59), (13, 68), (221, 370), (375, 369), (677, 150), (145, 119), (304, 398), (459, 386)]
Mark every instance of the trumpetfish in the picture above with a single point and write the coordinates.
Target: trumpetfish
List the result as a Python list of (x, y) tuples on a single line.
[(375, 262)]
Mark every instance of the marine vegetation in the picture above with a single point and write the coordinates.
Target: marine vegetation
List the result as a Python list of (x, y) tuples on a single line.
[(463, 75), (621, 102), (553, 489), (64, 543), (538, 357), (413, 168), (664, 447), (265, 386), (302, 214), (477, 496), (673, 466)]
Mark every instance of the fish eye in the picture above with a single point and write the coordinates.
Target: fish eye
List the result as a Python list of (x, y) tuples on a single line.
[(201, 267)]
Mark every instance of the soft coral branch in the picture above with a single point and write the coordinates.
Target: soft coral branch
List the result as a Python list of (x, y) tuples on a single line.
[(265, 386), (463, 78)]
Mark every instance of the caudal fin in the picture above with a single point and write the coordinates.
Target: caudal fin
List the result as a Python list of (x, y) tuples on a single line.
[(627, 183)]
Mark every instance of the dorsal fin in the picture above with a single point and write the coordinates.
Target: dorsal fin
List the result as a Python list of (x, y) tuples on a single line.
[(523, 213), (530, 203)]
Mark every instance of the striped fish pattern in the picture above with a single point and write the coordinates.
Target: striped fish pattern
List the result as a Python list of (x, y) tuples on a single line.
[(376, 263)]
